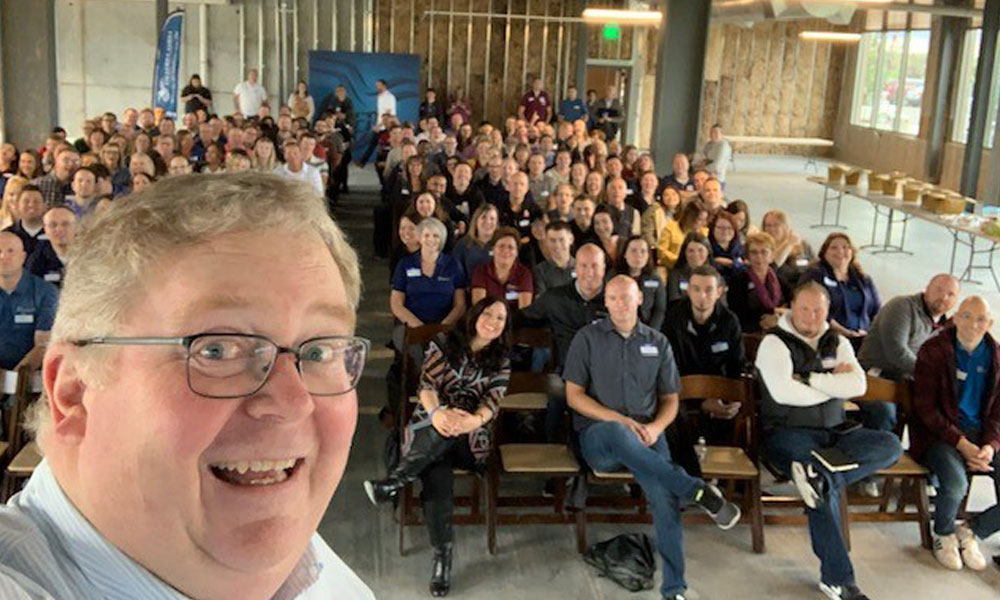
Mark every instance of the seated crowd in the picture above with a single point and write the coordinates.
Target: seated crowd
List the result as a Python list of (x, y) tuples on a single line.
[(546, 221)]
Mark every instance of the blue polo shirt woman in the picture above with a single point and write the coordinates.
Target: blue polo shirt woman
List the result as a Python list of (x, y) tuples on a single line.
[(854, 300), (427, 286)]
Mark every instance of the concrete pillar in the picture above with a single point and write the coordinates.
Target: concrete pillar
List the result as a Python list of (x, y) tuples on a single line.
[(582, 38), (946, 66), (980, 99), (30, 98), (680, 67)]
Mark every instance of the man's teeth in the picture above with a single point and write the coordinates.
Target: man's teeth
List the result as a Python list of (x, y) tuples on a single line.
[(258, 466)]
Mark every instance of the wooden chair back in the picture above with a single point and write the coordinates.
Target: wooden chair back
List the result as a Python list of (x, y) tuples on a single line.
[(698, 387)]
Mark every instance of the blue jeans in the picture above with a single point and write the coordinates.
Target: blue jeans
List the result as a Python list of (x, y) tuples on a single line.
[(872, 450), (609, 446), (947, 464), (880, 416)]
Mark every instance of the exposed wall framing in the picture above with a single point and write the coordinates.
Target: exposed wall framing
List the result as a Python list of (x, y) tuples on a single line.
[(494, 58)]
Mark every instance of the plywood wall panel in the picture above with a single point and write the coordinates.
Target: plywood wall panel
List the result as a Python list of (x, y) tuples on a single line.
[(786, 78), (771, 83)]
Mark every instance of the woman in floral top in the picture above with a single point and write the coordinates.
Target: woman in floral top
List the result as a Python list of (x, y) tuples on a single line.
[(464, 376)]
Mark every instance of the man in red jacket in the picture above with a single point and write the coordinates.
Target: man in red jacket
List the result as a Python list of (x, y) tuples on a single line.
[(957, 427)]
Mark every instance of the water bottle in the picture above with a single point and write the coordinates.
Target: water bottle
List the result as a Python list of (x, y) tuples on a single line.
[(701, 449)]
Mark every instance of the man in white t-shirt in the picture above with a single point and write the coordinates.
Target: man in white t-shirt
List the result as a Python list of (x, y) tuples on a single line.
[(249, 95), (385, 102), (296, 168)]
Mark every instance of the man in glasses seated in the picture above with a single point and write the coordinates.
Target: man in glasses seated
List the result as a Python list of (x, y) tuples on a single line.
[(199, 402)]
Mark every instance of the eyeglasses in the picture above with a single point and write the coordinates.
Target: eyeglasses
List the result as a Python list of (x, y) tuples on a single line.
[(234, 365)]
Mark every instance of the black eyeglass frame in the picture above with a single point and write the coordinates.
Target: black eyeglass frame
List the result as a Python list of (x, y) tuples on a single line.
[(187, 341)]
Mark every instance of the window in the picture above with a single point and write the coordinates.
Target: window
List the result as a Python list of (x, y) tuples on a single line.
[(966, 85), (889, 84)]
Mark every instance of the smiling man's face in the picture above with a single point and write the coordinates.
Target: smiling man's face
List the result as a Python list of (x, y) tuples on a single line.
[(158, 467)]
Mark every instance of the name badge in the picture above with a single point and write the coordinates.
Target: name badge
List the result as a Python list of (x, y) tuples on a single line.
[(511, 295), (524, 223), (751, 286), (29, 319), (720, 347), (41, 237), (960, 375), (802, 262), (684, 285), (829, 363), (443, 279), (651, 283), (53, 277), (572, 274), (649, 350), (404, 192), (414, 272), (829, 282)]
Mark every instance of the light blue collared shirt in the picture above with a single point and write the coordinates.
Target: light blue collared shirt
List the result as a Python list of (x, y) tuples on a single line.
[(48, 550)]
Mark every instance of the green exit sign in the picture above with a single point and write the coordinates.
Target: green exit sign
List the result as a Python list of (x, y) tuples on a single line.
[(612, 31)]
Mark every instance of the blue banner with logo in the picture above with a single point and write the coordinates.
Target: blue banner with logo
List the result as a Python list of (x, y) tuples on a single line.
[(357, 72), (166, 71)]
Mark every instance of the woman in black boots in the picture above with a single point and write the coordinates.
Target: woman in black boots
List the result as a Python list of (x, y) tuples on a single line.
[(465, 373)]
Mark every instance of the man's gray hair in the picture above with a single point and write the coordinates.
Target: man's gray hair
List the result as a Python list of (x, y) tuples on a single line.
[(114, 253), (437, 226)]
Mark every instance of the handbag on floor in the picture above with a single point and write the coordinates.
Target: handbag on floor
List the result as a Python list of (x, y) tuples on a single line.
[(626, 559)]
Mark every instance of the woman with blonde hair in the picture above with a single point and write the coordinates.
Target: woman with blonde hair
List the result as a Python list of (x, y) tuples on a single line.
[(792, 254), (8, 207), (264, 157)]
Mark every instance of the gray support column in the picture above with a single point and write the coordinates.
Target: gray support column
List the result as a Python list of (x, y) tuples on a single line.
[(680, 67), (981, 99), (30, 103), (946, 66), (582, 38), (161, 15)]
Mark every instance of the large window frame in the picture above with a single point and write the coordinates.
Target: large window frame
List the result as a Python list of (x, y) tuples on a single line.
[(966, 82), (876, 90)]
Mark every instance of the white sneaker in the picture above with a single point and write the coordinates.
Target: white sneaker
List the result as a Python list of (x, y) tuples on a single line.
[(971, 555), (946, 552)]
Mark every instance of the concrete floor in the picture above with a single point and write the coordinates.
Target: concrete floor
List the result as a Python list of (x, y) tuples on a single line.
[(541, 561)]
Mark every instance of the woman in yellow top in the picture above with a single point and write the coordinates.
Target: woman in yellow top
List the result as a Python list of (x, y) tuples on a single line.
[(691, 218)]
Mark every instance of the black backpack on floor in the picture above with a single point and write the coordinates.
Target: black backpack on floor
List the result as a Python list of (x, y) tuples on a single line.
[(626, 559)]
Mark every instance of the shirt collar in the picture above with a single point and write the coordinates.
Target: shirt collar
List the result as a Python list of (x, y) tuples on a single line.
[(114, 575)]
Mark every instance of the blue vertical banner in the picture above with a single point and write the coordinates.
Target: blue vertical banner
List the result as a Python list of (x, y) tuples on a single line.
[(166, 71)]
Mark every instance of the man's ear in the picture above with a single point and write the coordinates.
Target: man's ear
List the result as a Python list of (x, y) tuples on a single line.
[(64, 391)]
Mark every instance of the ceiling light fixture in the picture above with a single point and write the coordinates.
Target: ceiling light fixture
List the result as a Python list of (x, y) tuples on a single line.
[(831, 36), (622, 17)]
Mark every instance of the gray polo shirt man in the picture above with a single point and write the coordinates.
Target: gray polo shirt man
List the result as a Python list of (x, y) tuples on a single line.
[(547, 275), (624, 374)]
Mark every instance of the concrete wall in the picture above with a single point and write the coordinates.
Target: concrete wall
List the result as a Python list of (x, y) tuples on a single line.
[(106, 48), (28, 56)]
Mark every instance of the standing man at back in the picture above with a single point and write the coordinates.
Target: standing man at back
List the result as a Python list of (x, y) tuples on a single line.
[(249, 95), (535, 105), (718, 153)]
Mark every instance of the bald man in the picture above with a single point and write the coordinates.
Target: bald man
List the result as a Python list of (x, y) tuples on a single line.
[(27, 308), (900, 328), (622, 384), (48, 261), (956, 429)]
